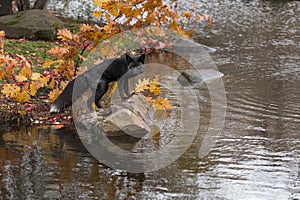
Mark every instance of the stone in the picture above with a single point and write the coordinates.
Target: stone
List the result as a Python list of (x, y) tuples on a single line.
[(131, 120), (193, 76), (123, 122), (31, 24)]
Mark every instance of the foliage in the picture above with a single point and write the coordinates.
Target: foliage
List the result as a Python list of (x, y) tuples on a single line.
[(141, 13), (34, 51), (19, 82), (151, 89)]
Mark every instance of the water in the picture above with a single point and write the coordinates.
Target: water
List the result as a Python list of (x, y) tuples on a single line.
[(257, 156)]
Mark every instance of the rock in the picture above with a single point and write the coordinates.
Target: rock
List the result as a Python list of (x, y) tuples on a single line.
[(128, 118), (131, 120), (193, 76), (31, 24), (189, 77), (124, 121)]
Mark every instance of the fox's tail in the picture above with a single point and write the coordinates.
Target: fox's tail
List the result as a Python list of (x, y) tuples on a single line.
[(64, 100)]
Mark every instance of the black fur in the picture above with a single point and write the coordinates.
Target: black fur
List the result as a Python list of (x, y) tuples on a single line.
[(119, 69)]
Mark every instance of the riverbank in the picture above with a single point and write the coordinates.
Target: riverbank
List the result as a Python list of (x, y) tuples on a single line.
[(36, 111)]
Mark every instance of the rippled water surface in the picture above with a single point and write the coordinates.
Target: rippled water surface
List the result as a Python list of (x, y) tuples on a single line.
[(257, 155)]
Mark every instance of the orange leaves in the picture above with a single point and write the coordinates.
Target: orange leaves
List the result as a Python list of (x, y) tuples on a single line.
[(160, 103), (64, 35), (2, 34), (1, 73), (18, 80), (58, 51), (141, 13), (151, 89), (187, 14)]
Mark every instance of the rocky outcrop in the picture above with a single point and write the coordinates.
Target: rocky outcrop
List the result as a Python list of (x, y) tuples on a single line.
[(132, 117), (31, 24)]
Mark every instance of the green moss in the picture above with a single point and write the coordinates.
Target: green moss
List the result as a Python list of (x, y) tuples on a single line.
[(15, 20), (12, 22), (33, 51)]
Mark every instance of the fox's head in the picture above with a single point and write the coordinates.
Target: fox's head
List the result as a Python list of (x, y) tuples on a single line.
[(135, 65)]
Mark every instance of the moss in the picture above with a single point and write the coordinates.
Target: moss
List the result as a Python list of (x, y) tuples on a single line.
[(15, 20), (12, 22), (34, 51)]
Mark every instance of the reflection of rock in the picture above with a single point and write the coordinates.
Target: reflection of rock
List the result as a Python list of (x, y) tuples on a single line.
[(131, 118), (31, 24), (193, 76)]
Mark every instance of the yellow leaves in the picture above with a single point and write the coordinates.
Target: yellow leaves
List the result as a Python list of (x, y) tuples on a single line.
[(20, 78), (21, 112), (142, 85), (54, 94), (98, 3), (13, 91), (151, 89), (161, 104), (38, 83), (10, 90), (19, 82), (97, 14), (22, 96), (49, 63), (146, 85), (35, 76), (25, 71)]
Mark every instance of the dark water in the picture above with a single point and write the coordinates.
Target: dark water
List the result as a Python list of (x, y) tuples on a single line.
[(257, 155)]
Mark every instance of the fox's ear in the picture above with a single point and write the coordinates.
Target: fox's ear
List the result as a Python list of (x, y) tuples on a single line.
[(128, 59), (142, 58)]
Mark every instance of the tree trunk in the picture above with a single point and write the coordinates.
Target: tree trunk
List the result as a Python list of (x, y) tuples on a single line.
[(40, 4), (5, 7), (23, 5)]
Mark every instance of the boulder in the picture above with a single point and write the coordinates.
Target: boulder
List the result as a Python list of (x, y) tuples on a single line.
[(124, 121), (31, 24), (193, 76), (131, 118)]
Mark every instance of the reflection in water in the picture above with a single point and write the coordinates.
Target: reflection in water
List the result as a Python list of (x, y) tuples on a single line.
[(54, 164), (257, 155)]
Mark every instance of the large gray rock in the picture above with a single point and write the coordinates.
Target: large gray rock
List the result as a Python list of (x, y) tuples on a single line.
[(31, 24), (132, 119), (125, 121)]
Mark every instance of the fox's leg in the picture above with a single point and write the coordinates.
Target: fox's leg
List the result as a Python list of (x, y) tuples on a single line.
[(121, 88), (102, 88), (126, 88)]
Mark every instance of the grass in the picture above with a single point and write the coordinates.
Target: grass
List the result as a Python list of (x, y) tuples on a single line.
[(34, 51)]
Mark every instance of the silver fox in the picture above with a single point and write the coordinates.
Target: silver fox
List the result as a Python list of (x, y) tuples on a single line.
[(118, 69)]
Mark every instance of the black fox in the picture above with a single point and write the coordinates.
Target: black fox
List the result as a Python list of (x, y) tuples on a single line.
[(118, 69)]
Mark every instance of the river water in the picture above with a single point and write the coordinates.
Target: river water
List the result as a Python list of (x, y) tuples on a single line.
[(257, 155)]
